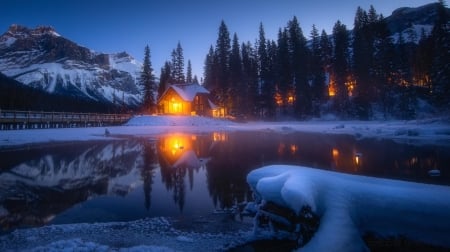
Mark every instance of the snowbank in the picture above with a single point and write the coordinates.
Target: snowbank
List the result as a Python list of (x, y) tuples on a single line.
[(350, 206)]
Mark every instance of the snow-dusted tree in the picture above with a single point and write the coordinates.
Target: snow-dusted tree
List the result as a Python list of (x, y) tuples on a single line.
[(189, 72), (147, 80), (178, 65)]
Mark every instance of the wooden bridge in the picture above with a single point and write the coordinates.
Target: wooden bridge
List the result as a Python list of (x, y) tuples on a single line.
[(13, 119)]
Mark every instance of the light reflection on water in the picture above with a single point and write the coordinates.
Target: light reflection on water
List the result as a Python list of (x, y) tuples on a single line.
[(182, 175)]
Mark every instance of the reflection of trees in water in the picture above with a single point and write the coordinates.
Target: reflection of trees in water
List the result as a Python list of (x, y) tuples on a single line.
[(230, 162), (150, 163), (173, 178)]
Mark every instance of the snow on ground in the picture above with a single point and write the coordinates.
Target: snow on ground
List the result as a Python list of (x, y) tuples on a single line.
[(152, 234), (431, 131), (350, 206)]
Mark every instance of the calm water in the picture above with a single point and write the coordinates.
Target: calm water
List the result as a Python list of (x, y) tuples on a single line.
[(182, 175)]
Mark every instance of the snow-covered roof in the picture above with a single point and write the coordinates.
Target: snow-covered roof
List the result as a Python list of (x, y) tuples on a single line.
[(188, 91)]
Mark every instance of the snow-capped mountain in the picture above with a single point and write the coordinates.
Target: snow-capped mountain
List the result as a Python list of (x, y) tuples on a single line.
[(411, 22), (43, 59)]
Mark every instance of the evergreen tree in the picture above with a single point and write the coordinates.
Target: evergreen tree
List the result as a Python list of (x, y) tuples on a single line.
[(326, 53), (147, 80), (384, 67), (299, 62), (285, 87), (178, 65), (189, 72), (222, 65), (317, 72), (236, 85), (164, 79), (210, 73), (340, 67), (265, 82), (250, 79), (195, 80)]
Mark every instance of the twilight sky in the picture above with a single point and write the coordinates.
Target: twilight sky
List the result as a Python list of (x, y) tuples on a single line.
[(128, 25)]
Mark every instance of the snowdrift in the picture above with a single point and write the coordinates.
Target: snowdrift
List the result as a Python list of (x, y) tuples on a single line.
[(350, 206)]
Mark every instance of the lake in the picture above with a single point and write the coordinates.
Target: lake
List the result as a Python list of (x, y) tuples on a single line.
[(183, 175)]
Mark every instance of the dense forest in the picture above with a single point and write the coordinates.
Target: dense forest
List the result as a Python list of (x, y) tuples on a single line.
[(352, 74)]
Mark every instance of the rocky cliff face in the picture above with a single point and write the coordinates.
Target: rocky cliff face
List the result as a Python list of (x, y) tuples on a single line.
[(43, 59)]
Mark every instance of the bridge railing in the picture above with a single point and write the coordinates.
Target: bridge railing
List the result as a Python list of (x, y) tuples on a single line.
[(16, 119)]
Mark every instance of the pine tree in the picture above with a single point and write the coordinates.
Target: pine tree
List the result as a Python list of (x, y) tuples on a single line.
[(265, 83), (285, 87), (299, 61), (147, 80), (250, 79), (340, 67), (189, 72), (326, 53), (384, 67), (317, 71), (210, 73), (222, 65), (363, 48), (164, 79), (236, 85), (178, 65)]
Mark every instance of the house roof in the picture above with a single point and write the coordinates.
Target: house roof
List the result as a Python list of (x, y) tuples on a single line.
[(187, 92)]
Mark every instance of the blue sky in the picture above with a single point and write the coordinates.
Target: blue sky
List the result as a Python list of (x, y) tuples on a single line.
[(128, 25)]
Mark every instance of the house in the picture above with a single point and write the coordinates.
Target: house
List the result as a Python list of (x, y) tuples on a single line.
[(187, 99)]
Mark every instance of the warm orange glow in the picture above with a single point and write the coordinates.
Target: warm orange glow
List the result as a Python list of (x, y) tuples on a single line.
[(291, 99), (219, 136), (335, 153), (278, 99), (220, 112), (358, 158), (331, 90), (294, 148), (175, 145), (350, 84)]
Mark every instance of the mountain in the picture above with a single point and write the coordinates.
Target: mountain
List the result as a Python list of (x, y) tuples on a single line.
[(412, 21), (43, 59)]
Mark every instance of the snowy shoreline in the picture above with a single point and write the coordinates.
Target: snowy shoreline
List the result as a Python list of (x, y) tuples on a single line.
[(418, 132)]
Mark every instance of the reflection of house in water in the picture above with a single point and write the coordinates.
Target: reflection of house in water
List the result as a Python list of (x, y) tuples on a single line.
[(187, 151), (181, 155)]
